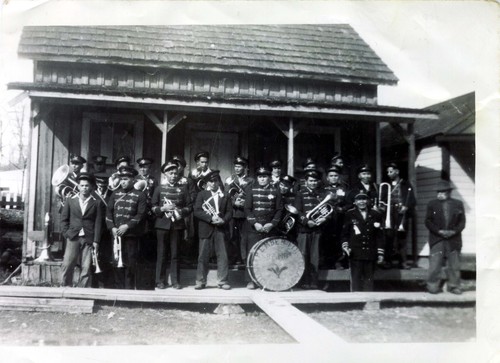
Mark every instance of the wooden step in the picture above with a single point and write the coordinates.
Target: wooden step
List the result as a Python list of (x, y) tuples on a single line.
[(47, 305)]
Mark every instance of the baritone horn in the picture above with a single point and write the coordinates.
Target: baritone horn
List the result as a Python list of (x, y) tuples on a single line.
[(209, 208), (288, 221), (141, 185), (65, 186), (387, 204), (117, 251), (114, 182), (322, 210)]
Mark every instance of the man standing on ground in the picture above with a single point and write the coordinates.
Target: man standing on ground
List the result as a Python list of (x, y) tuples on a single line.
[(445, 220), (81, 222)]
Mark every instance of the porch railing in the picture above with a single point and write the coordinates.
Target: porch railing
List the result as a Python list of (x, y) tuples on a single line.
[(10, 200)]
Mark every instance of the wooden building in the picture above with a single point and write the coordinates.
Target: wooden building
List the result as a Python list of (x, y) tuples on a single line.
[(260, 91), (444, 150)]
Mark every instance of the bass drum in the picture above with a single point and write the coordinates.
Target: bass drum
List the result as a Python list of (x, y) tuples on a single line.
[(275, 264)]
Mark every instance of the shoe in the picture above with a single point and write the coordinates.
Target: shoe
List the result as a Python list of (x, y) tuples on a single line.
[(313, 287), (161, 286), (305, 287), (251, 286), (455, 290), (224, 287), (404, 266), (177, 286), (198, 286), (434, 292), (326, 286)]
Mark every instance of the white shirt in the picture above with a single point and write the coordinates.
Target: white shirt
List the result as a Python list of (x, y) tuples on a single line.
[(83, 206)]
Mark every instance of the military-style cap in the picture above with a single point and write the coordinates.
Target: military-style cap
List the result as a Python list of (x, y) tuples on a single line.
[(335, 158), (169, 165), (275, 164), (240, 161), (392, 165), (212, 176), (86, 176), (334, 169), (77, 159), (127, 171), (316, 174), (99, 159), (443, 186), (288, 179), (101, 178), (122, 159), (361, 195), (363, 168), (262, 170), (201, 154), (179, 160), (309, 161), (145, 161)]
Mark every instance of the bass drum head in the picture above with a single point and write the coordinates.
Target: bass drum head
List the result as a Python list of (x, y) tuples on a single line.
[(275, 264)]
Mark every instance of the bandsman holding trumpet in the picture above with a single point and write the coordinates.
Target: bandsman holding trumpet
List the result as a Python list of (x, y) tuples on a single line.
[(81, 222), (235, 186), (171, 204), (363, 242), (399, 205), (213, 210), (125, 216), (263, 209), (313, 205)]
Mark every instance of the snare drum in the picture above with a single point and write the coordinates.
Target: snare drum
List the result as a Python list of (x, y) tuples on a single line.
[(275, 264)]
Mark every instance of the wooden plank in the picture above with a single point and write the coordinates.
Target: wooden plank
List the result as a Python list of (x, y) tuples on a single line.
[(300, 326), (47, 305)]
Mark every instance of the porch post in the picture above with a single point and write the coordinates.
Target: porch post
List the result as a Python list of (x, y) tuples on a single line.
[(412, 178), (164, 138), (378, 154), (291, 137)]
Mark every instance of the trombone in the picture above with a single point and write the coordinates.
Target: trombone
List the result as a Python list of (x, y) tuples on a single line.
[(387, 204), (117, 251)]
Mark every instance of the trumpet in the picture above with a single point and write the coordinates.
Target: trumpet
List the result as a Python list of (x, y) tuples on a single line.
[(209, 208), (387, 204), (95, 262), (322, 210), (401, 227), (117, 251), (173, 215)]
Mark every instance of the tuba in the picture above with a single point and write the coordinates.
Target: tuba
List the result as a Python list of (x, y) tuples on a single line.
[(65, 185), (322, 210), (387, 204), (141, 185), (288, 221), (114, 182)]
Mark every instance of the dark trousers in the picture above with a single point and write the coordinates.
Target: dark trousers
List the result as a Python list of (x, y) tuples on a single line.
[(216, 241), (105, 278), (77, 252), (308, 244), (164, 238), (362, 275), (440, 254), (395, 245), (125, 276), (238, 250)]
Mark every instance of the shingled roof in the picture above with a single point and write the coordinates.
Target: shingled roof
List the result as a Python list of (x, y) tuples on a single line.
[(333, 52)]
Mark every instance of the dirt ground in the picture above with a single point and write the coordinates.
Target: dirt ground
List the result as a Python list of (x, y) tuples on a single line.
[(148, 324)]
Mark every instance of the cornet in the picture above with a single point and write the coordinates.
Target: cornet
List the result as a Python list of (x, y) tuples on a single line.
[(387, 203), (117, 251), (95, 262), (173, 215), (322, 210), (209, 208)]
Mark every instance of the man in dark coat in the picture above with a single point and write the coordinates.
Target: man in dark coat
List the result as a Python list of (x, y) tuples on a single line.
[(445, 219), (263, 208), (363, 242), (363, 185), (213, 210), (81, 222), (125, 216), (171, 204)]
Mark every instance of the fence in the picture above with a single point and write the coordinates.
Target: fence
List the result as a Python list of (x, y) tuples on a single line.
[(10, 200)]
